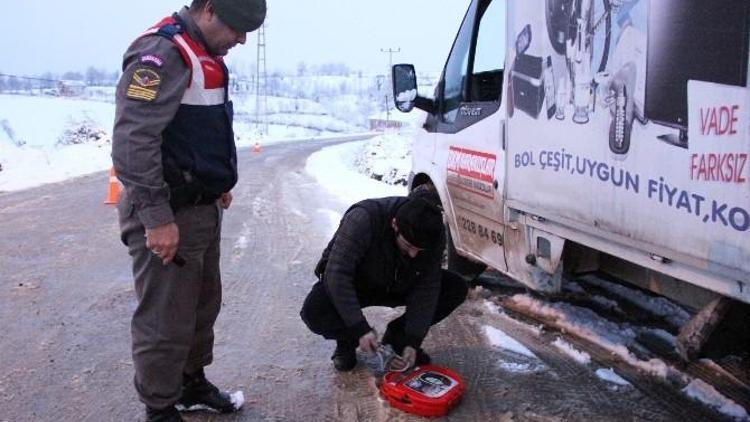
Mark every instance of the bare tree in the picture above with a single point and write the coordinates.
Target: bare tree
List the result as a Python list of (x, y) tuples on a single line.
[(49, 80), (93, 76), (72, 76), (14, 84), (301, 69)]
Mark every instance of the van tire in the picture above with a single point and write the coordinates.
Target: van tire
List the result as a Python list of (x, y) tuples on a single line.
[(463, 266)]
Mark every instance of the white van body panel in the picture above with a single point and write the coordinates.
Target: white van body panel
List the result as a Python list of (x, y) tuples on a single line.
[(597, 141)]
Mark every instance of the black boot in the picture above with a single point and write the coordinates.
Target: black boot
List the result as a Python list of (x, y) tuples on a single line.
[(170, 414), (199, 394), (345, 356)]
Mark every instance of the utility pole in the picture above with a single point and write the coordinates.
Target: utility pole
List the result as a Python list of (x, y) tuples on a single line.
[(390, 52), (261, 84)]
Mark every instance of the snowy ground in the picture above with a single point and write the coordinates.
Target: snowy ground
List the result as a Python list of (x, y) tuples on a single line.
[(623, 340), (75, 138)]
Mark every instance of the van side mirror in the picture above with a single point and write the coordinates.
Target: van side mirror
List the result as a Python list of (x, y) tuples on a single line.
[(405, 90), (404, 87)]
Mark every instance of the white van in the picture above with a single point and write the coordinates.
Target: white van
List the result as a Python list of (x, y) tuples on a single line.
[(568, 136)]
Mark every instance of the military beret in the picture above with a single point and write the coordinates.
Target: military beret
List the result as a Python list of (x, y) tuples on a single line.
[(241, 15)]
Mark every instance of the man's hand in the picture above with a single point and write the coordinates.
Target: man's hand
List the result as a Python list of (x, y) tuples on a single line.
[(225, 200), (163, 241), (368, 343), (409, 355)]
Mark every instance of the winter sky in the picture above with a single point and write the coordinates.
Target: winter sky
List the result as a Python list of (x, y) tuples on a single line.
[(39, 36)]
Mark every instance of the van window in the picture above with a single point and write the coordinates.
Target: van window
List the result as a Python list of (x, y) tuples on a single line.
[(487, 58), (489, 53), (456, 68)]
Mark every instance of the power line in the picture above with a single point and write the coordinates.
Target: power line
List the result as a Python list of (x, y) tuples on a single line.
[(29, 78)]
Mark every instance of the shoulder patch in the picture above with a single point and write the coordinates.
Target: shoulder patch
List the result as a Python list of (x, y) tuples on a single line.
[(144, 85), (151, 59)]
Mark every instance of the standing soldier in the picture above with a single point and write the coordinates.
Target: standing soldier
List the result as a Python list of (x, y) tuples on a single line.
[(173, 149)]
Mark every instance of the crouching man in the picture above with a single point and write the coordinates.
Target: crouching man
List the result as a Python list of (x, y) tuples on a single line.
[(386, 252)]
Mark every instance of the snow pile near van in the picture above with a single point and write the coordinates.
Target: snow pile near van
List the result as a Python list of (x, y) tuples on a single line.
[(335, 168), (586, 324), (708, 395), (577, 355), (386, 158), (622, 339)]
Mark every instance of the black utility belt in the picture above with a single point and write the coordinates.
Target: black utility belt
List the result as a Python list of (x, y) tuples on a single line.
[(187, 195), (207, 199)]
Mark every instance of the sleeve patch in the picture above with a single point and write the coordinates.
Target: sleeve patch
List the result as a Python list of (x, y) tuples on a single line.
[(151, 59), (144, 85)]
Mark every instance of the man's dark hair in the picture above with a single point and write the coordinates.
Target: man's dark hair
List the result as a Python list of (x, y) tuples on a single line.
[(420, 221)]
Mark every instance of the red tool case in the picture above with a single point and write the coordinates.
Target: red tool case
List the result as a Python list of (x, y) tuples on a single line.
[(426, 390)]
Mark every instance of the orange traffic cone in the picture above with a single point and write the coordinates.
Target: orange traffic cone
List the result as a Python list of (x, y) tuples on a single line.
[(256, 147), (114, 188)]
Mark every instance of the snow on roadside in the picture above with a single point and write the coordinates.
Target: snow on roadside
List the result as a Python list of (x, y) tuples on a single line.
[(606, 303), (708, 395), (40, 121), (51, 139), (659, 306), (662, 335), (518, 368), (616, 338), (25, 167), (533, 329), (334, 168), (387, 158), (610, 375), (588, 325), (518, 359), (567, 348), (491, 306), (501, 340)]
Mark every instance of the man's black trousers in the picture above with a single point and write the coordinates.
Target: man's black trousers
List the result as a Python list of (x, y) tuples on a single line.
[(321, 317)]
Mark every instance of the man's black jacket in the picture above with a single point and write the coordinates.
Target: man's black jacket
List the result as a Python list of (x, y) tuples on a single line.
[(363, 264)]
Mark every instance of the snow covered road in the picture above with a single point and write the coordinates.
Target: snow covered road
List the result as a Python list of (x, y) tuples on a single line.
[(66, 297)]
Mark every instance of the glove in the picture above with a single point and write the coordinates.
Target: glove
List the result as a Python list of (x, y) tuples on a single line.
[(369, 343)]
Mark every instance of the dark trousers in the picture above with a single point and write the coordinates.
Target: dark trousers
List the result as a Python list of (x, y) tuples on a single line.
[(322, 318), (172, 327)]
